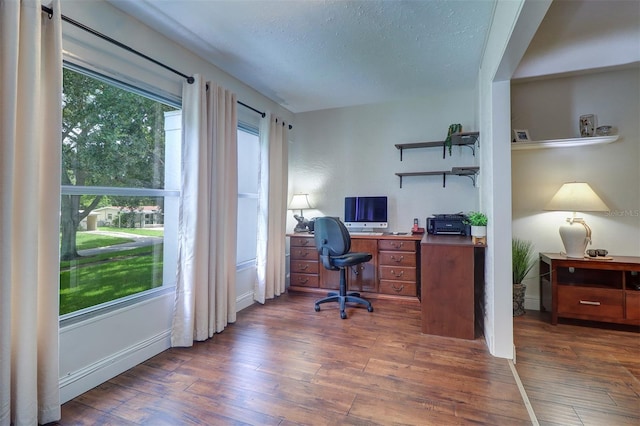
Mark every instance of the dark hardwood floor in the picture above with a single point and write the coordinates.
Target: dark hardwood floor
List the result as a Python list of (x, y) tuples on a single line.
[(285, 364), (579, 375)]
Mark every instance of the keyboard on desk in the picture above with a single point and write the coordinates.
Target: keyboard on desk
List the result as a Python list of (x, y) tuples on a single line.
[(366, 233)]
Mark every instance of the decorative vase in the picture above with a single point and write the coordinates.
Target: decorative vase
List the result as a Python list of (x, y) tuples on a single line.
[(518, 299), (478, 231)]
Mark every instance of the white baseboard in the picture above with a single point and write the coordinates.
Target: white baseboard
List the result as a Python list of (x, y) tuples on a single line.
[(80, 381), (532, 303), (244, 301)]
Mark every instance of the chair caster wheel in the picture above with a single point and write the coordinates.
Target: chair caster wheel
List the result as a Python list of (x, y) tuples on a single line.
[(317, 308), (370, 308), (343, 315)]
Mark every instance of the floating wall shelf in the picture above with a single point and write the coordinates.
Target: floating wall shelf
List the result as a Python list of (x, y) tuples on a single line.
[(563, 143), (461, 139), (469, 172)]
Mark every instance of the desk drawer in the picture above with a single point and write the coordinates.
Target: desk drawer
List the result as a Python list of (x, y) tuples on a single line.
[(401, 288), (397, 258), (304, 267), (303, 242), (304, 280), (305, 253), (398, 273), (593, 302), (397, 245)]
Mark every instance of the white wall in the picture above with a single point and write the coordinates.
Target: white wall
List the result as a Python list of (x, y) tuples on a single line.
[(549, 109), (514, 24), (94, 350), (351, 152)]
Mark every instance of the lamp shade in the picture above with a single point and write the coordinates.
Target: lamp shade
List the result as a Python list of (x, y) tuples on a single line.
[(299, 202), (576, 197)]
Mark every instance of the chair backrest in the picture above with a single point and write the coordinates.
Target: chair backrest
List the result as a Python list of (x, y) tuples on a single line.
[(331, 238)]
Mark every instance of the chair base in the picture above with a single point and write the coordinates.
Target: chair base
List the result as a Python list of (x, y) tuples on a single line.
[(350, 297)]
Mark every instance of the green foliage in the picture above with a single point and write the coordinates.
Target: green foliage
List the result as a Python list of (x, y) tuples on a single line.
[(110, 137), (523, 258), (454, 128), (476, 219)]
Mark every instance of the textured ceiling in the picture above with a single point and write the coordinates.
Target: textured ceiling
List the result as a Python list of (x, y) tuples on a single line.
[(309, 55)]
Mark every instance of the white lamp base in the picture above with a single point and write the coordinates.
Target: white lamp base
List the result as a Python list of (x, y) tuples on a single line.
[(575, 237)]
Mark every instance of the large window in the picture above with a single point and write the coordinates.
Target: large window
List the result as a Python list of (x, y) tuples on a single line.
[(118, 196), (248, 181)]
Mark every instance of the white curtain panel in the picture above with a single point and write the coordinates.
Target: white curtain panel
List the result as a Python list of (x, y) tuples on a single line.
[(272, 209), (30, 155), (206, 277)]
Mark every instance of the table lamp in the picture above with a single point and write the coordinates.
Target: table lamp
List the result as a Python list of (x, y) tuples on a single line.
[(575, 197), (300, 202)]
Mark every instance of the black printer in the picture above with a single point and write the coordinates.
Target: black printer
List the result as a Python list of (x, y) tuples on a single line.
[(448, 224)]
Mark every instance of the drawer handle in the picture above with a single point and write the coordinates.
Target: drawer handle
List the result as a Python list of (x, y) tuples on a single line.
[(398, 290), (397, 245), (303, 280), (397, 275), (303, 267), (400, 259), (303, 253), (305, 242), (588, 302)]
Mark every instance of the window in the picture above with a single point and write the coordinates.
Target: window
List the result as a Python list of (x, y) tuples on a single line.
[(119, 203), (248, 184)]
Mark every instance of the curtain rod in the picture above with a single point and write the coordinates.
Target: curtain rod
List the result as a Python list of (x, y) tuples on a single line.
[(189, 79)]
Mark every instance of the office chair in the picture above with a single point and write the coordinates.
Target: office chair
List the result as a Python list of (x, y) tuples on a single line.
[(333, 244)]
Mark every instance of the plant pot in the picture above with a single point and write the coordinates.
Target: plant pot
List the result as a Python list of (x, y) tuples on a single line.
[(518, 299), (478, 231)]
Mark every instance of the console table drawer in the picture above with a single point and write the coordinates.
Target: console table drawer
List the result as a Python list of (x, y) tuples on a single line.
[(397, 258), (632, 302), (593, 302), (308, 253), (397, 245), (304, 267), (304, 280), (399, 273), (401, 288)]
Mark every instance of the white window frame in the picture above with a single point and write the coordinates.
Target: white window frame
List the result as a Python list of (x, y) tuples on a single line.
[(171, 194)]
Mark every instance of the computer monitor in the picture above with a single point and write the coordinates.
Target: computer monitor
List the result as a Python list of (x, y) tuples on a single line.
[(365, 212)]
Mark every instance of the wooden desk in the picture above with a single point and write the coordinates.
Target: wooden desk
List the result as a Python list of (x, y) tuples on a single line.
[(590, 288), (452, 286), (393, 272)]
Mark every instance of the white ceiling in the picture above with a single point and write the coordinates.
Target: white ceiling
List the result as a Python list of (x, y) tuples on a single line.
[(315, 54)]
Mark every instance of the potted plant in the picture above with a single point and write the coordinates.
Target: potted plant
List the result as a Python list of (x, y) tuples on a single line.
[(523, 259), (478, 222)]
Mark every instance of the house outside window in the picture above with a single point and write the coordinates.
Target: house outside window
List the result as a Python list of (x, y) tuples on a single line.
[(119, 193)]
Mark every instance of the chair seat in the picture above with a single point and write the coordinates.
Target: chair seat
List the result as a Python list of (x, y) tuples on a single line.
[(350, 259)]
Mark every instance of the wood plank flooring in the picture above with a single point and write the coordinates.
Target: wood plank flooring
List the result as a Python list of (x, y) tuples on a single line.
[(579, 375), (285, 364)]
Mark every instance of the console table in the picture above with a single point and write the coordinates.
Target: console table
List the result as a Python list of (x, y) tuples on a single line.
[(590, 288), (393, 271)]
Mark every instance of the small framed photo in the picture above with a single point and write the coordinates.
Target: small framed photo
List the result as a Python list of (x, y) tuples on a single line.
[(521, 135)]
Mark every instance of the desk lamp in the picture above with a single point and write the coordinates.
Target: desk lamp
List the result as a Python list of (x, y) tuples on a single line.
[(575, 197), (300, 202)]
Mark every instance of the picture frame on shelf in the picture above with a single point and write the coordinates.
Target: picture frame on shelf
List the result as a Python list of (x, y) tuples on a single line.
[(521, 135), (587, 125)]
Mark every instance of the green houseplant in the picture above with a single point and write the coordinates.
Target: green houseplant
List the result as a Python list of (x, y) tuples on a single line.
[(478, 222), (476, 219), (523, 260)]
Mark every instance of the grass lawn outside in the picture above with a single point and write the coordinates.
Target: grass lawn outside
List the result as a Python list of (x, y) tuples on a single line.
[(93, 280), (148, 232)]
